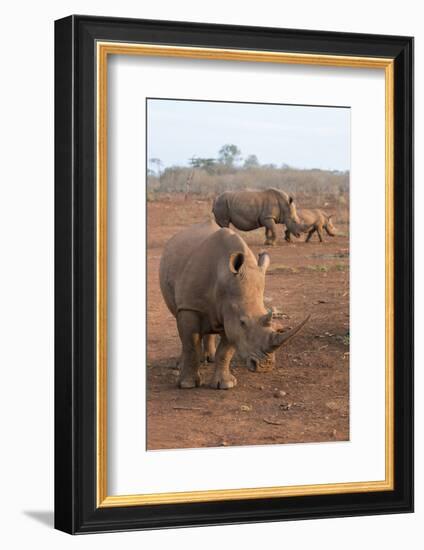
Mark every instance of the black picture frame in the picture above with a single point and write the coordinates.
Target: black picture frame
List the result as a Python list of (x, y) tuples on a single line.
[(76, 510)]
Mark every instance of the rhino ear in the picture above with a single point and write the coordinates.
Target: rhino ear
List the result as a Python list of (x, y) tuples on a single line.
[(236, 262), (329, 217), (291, 199), (264, 261)]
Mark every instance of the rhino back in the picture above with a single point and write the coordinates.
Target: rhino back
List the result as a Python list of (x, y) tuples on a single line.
[(248, 208), (175, 256), (311, 216), (206, 273), (194, 270)]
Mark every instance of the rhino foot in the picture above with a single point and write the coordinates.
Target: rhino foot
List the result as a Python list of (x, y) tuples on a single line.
[(223, 381), (269, 243), (189, 382), (209, 358)]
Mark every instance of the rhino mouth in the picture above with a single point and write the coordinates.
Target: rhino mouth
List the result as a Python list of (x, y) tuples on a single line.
[(264, 363)]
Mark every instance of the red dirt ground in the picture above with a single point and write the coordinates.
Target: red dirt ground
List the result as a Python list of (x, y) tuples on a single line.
[(312, 370)]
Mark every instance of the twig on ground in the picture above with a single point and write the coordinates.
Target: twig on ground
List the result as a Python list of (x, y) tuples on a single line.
[(181, 408), (273, 422)]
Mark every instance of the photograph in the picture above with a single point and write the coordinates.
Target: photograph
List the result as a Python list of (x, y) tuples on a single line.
[(233, 272), (247, 223)]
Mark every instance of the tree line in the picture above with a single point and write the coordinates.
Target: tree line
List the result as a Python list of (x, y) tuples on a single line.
[(208, 175), (229, 157)]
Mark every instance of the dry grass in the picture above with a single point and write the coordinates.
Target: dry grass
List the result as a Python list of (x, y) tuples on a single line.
[(328, 190), (311, 182)]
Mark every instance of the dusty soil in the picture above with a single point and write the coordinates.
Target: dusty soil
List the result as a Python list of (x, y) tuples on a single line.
[(311, 371)]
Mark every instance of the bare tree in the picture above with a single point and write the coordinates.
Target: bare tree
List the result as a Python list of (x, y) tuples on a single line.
[(188, 183), (158, 163), (207, 164)]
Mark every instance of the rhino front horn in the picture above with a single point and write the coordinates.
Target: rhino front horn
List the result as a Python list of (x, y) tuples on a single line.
[(280, 338)]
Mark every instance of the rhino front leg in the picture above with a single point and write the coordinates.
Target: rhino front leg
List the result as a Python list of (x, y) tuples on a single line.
[(287, 236), (310, 233), (222, 378), (188, 330), (270, 231), (319, 231)]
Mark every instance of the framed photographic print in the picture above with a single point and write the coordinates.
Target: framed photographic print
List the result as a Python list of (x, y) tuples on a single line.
[(233, 265)]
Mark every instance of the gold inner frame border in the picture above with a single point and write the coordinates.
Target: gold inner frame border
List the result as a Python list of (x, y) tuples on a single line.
[(103, 50)]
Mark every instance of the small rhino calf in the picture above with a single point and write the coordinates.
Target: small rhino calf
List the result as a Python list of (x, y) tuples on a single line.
[(314, 220)]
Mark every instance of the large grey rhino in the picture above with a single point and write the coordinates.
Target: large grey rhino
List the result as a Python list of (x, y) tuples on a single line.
[(213, 284), (250, 209)]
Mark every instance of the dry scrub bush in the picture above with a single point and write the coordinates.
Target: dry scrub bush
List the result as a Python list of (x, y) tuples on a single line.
[(174, 180), (311, 188)]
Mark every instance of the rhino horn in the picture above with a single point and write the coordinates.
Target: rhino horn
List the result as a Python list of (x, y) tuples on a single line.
[(280, 338), (266, 319), (264, 261)]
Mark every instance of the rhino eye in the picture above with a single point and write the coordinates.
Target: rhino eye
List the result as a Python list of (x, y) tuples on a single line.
[(243, 322)]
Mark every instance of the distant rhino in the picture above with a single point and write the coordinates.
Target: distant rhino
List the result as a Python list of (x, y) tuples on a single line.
[(251, 209), (313, 220), (213, 284)]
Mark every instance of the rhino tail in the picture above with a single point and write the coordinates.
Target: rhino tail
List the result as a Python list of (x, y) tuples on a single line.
[(220, 210)]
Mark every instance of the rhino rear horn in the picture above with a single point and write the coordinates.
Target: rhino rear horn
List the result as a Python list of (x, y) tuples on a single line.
[(264, 261), (280, 338)]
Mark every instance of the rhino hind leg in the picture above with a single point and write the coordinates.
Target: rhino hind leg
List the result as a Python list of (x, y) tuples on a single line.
[(209, 348), (270, 231), (222, 378), (221, 219)]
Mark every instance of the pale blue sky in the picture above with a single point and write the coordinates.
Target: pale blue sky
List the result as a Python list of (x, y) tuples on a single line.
[(301, 136)]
